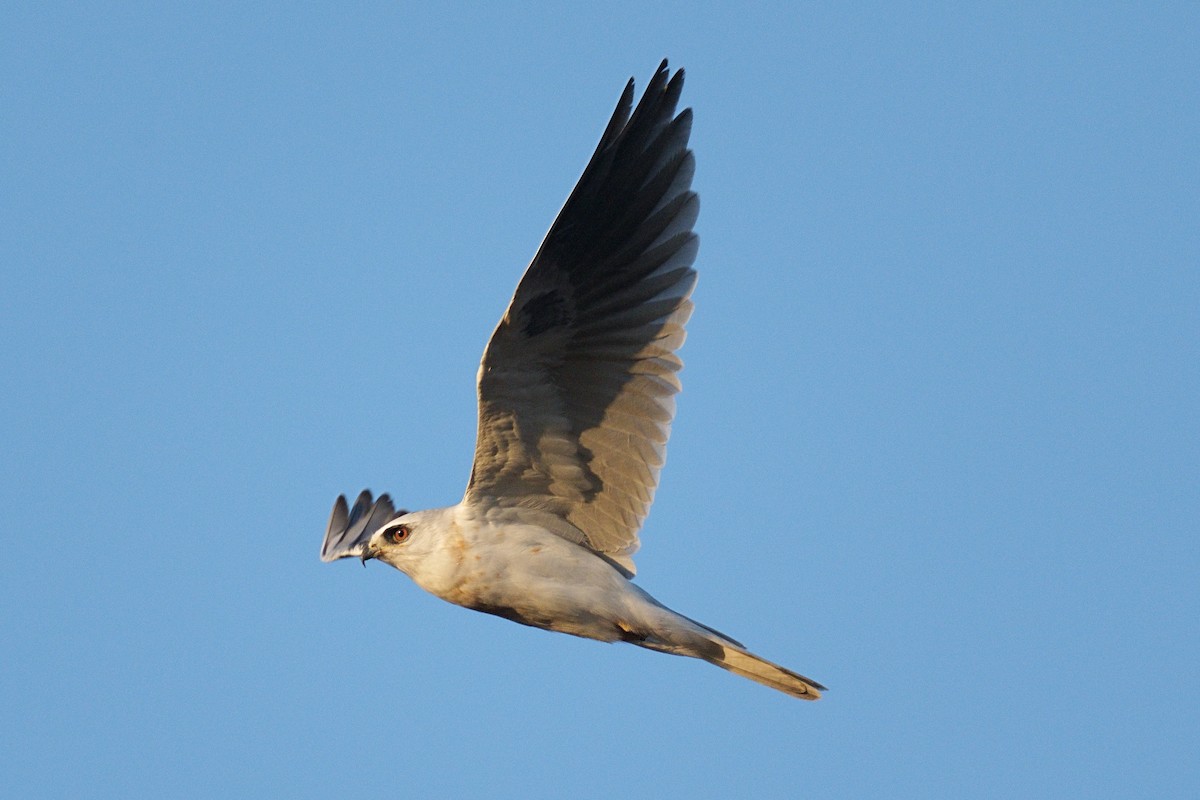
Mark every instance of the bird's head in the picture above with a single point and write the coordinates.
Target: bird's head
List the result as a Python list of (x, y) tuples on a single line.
[(403, 542)]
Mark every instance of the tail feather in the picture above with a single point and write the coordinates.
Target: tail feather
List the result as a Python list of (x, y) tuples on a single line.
[(748, 665), (670, 632)]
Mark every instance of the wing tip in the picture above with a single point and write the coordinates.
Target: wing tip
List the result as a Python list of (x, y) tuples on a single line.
[(349, 529)]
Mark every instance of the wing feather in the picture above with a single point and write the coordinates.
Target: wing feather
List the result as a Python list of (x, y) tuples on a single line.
[(348, 531), (577, 384)]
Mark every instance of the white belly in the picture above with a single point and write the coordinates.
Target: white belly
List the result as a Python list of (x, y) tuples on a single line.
[(532, 576)]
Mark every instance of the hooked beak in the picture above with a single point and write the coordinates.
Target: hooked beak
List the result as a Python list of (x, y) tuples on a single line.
[(367, 554)]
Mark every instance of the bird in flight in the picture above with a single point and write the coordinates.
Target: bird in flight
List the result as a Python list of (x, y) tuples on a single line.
[(576, 396)]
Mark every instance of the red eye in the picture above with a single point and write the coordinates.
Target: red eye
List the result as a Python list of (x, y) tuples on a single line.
[(398, 534)]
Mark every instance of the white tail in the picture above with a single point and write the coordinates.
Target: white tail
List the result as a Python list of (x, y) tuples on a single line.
[(748, 665), (672, 632)]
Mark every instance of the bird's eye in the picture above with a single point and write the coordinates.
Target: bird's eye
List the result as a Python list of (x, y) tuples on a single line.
[(398, 534)]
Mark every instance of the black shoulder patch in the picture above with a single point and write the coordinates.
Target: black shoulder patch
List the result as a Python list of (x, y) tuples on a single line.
[(545, 311)]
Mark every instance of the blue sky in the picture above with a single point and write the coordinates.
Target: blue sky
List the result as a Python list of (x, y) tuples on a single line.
[(937, 446)]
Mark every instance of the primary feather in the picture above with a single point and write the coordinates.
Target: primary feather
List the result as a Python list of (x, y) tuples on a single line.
[(577, 385)]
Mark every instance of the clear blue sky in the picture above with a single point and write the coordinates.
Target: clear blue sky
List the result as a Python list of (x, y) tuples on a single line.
[(937, 446)]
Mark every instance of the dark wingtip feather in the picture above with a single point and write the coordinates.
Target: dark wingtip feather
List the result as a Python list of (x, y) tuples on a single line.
[(349, 529)]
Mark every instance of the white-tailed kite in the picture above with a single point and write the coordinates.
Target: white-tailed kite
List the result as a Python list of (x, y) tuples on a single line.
[(576, 395)]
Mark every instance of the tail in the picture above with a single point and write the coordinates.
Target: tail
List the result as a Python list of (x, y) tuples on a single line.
[(730, 654), (672, 632), (744, 663)]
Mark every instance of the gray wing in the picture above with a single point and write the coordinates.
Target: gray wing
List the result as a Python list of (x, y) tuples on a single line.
[(349, 530), (577, 385)]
